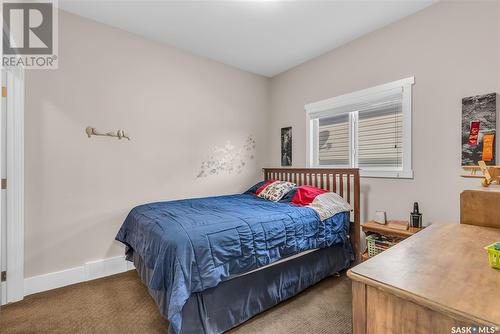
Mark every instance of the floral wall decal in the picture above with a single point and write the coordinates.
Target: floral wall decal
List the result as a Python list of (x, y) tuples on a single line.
[(228, 159)]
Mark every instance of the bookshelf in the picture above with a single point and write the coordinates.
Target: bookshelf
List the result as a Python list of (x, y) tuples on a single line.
[(371, 226)]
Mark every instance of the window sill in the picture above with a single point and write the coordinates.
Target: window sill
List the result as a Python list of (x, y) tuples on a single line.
[(408, 174), (383, 174)]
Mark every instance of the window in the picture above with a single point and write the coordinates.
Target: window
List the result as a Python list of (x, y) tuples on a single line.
[(368, 129)]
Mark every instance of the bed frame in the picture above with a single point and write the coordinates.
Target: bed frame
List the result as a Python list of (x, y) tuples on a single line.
[(344, 182), (218, 309)]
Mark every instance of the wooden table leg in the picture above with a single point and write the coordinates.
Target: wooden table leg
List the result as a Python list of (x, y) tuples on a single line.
[(358, 308)]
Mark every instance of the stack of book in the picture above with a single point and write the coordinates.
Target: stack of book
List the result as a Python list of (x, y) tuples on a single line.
[(383, 243)]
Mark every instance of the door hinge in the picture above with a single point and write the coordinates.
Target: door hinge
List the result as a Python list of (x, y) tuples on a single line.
[(4, 184), (4, 91), (3, 277)]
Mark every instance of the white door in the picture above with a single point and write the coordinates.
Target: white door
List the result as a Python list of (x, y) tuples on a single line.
[(3, 197)]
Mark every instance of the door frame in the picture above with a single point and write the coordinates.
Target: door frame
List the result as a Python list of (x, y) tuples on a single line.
[(15, 186)]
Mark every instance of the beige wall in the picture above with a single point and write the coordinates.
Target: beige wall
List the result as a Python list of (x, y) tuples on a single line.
[(79, 190), (175, 106), (452, 49)]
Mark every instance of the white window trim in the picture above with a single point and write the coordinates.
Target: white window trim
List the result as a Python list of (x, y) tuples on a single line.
[(324, 107)]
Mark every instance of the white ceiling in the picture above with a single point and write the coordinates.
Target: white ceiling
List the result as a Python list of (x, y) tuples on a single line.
[(259, 36)]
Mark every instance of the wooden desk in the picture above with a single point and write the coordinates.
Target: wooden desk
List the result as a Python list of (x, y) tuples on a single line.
[(428, 283)]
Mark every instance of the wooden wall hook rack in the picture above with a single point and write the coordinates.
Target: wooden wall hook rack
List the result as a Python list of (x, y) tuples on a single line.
[(90, 131)]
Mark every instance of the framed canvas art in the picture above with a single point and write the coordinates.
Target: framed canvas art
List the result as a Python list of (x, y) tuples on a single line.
[(286, 146), (479, 129)]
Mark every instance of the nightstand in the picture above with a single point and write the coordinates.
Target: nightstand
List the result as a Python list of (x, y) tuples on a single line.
[(373, 227)]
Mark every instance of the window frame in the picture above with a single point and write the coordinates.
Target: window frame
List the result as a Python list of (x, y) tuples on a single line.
[(325, 108)]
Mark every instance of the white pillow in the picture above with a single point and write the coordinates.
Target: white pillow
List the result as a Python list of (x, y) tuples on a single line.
[(329, 204), (276, 190)]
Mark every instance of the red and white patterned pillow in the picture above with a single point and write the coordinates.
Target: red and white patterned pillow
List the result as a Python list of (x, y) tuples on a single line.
[(276, 190)]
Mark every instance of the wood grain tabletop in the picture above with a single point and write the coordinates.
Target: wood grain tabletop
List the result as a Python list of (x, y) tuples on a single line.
[(445, 267)]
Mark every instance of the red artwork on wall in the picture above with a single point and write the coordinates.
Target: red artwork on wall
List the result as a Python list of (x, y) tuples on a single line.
[(474, 132)]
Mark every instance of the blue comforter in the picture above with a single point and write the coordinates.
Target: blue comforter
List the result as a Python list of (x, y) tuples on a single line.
[(194, 244)]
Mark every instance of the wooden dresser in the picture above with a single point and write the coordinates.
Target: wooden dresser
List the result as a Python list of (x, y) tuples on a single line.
[(480, 207), (431, 282)]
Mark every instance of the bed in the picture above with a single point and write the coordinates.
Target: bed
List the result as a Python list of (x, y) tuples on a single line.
[(212, 263)]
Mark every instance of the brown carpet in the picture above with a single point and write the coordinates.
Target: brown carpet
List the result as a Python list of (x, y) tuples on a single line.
[(121, 304)]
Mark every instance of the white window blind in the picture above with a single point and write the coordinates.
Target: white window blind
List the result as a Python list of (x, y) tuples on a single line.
[(380, 134), (369, 129), (334, 142)]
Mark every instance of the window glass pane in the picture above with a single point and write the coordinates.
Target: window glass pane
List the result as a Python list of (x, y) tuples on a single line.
[(333, 140), (380, 135)]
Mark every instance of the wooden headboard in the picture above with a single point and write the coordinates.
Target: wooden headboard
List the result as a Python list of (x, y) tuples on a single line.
[(344, 182)]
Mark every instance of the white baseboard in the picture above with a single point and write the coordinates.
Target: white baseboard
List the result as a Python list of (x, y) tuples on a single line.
[(87, 272), (103, 268), (53, 280), (3, 287)]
